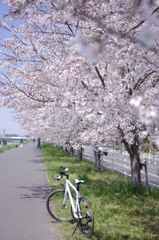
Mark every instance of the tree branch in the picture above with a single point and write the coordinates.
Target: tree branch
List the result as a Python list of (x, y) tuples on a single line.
[(138, 84), (139, 24), (22, 91), (70, 28), (127, 146), (54, 6), (100, 77), (145, 140), (84, 85), (77, 27)]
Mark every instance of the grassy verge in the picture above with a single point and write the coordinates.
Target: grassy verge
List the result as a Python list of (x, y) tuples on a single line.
[(7, 148), (119, 211)]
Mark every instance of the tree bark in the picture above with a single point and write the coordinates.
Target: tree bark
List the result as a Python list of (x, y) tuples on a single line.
[(135, 163), (38, 143), (135, 171), (71, 150), (133, 150), (79, 153), (97, 160)]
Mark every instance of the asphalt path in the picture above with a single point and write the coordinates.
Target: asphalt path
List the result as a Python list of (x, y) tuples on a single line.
[(23, 191)]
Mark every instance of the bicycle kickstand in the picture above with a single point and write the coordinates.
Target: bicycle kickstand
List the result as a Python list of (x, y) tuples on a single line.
[(78, 223)]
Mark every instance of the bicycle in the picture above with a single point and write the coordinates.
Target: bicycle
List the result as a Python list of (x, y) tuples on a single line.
[(80, 210)]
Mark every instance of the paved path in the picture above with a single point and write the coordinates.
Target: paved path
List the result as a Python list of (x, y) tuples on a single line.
[(23, 192)]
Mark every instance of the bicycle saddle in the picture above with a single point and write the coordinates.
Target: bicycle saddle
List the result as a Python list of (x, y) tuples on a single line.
[(78, 181)]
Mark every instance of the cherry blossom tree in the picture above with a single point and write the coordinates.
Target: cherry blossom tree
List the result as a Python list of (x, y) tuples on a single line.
[(84, 71)]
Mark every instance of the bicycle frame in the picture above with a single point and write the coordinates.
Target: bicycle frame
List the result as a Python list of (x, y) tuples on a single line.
[(76, 209)]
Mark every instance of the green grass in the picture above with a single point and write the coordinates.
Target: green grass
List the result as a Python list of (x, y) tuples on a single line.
[(120, 212), (7, 148)]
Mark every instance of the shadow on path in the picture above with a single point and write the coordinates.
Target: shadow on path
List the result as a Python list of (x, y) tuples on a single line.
[(35, 192)]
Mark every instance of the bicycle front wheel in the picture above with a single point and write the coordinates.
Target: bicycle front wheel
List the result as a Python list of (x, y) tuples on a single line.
[(55, 208), (87, 222)]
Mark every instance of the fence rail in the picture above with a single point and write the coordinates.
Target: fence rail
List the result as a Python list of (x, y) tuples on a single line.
[(119, 161)]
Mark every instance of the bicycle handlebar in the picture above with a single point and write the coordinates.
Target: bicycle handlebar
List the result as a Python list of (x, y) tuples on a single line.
[(58, 178), (62, 173), (64, 169)]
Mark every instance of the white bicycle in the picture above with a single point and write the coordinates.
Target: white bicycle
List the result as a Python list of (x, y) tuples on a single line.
[(71, 206)]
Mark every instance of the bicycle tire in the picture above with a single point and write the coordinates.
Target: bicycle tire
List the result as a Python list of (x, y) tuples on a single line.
[(55, 208), (86, 225)]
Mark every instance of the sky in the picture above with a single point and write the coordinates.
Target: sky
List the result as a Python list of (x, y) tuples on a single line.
[(7, 122), (3, 8)]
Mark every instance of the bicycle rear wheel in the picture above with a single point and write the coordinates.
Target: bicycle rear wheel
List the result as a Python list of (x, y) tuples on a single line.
[(86, 225), (55, 208)]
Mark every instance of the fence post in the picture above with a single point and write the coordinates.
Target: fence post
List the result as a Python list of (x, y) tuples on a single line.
[(112, 164), (155, 159), (146, 176), (125, 168), (101, 159)]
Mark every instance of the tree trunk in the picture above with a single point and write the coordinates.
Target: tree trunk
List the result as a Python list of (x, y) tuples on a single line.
[(97, 160), (71, 150), (39, 143), (135, 171), (79, 153), (133, 151)]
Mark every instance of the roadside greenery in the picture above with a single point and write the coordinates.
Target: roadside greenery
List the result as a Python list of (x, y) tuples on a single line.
[(7, 148), (120, 212)]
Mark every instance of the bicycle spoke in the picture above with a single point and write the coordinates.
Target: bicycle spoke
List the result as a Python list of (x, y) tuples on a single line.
[(87, 222), (55, 206)]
